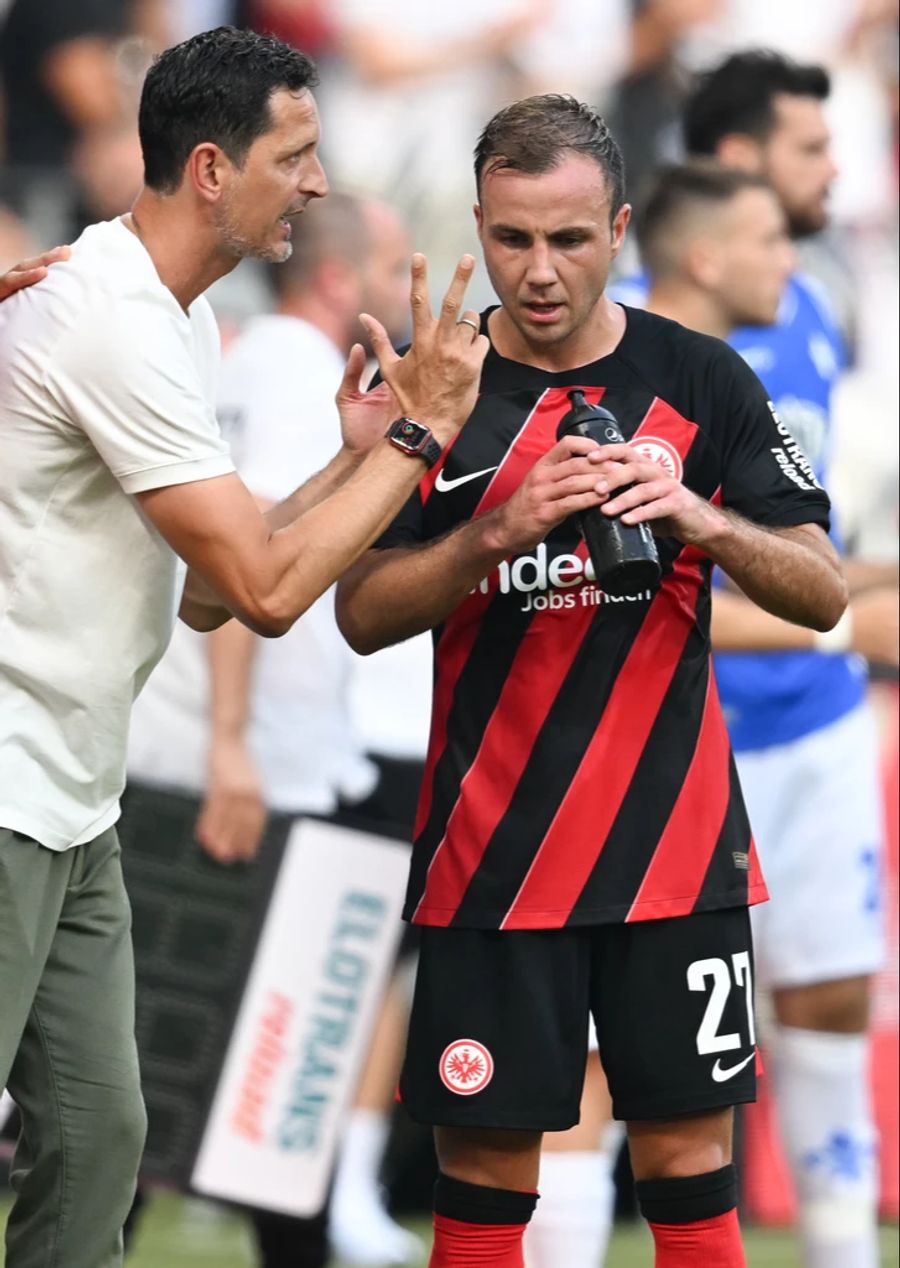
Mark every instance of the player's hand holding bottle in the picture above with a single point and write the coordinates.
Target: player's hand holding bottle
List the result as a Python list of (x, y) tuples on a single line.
[(436, 381)]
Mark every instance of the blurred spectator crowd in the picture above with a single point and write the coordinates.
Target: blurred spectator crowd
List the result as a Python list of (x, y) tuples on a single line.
[(405, 88)]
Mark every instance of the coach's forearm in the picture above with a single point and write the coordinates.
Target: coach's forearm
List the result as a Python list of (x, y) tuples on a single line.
[(315, 490), (794, 573), (201, 606), (391, 595), (303, 559)]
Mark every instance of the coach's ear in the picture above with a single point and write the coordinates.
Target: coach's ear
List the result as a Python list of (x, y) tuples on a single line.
[(209, 170), (30, 271)]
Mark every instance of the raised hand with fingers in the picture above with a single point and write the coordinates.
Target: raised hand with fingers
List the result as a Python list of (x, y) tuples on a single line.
[(436, 380), (365, 416), (30, 271)]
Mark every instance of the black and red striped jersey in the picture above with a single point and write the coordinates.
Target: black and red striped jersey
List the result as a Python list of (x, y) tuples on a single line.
[(579, 770)]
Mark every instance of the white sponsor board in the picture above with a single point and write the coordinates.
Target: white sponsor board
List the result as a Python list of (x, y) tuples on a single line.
[(306, 1019)]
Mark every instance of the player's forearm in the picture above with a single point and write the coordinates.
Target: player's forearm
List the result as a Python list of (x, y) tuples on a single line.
[(793, 573), (740, 626), (392, 595), (230, 651), (866, 574), (315, 490)]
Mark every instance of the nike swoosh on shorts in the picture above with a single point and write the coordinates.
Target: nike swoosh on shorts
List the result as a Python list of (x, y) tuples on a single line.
[(443, 485), (722, 1076)]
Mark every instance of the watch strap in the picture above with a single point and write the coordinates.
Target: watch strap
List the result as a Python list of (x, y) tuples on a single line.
[(431, 452)]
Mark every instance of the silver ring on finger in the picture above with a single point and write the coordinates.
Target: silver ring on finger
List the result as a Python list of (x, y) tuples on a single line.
[(467, 321)]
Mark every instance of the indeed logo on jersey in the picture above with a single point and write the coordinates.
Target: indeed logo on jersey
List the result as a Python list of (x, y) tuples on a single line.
[(534, 575)]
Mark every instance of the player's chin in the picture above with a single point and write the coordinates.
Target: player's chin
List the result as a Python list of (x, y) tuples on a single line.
[(544, 331)]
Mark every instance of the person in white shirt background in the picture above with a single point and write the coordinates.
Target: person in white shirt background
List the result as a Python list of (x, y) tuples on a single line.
[(253, 726)]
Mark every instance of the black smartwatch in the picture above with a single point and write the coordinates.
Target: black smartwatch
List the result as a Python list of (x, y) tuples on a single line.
[(414, 439)]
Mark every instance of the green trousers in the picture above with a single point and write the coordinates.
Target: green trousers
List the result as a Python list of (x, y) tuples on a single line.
[(67, 1051)]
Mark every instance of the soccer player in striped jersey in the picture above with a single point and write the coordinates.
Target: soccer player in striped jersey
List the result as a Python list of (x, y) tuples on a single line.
[(582, 847)]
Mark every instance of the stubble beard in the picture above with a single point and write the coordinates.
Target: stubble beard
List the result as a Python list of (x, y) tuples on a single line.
[(241, 247)]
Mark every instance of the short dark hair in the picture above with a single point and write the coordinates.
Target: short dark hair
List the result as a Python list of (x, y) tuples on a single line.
[(677, 191), (533, 135), (739, 96), (215, 87)]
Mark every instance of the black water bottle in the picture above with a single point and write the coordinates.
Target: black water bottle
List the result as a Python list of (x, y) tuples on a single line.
[(624, 555)]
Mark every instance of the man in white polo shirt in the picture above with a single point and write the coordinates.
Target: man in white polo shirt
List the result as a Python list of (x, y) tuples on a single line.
[(112, 467)]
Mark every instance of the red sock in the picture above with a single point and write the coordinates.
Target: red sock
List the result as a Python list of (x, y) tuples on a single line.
[(461, 1245), (714, 1243)]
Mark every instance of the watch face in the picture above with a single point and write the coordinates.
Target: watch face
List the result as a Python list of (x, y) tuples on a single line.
[(409, 434)]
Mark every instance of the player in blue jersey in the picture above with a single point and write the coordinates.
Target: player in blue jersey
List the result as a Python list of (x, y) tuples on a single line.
[(801, 730)]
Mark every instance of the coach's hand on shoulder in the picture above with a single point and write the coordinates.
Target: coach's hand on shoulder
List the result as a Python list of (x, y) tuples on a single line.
[(564, 481), (436, 381), (30, 271), (365, 416)]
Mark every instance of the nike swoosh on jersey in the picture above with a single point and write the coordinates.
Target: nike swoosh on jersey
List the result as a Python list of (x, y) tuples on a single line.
[(722, 1075), (443, 485)]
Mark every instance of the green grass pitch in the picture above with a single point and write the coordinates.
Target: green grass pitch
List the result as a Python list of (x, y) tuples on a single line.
[(177, 1233)]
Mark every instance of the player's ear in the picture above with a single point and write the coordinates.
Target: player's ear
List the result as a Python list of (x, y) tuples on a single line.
[(479, 219), (619, 225), (702, 264)]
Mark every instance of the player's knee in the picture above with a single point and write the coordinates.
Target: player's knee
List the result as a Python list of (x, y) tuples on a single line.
[(681, 1147), (497, 1159)]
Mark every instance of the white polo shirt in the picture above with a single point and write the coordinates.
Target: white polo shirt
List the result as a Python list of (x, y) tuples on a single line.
[(106, 389), (277, 409)]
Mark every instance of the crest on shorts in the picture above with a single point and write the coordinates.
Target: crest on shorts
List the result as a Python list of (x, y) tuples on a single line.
[(661, 451), (466, 1067)]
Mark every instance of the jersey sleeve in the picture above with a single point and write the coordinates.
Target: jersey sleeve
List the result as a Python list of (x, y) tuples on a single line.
[(764, 474), (133, 389)]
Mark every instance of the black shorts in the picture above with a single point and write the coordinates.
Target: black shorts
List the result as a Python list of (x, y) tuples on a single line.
[(499, 1028)]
